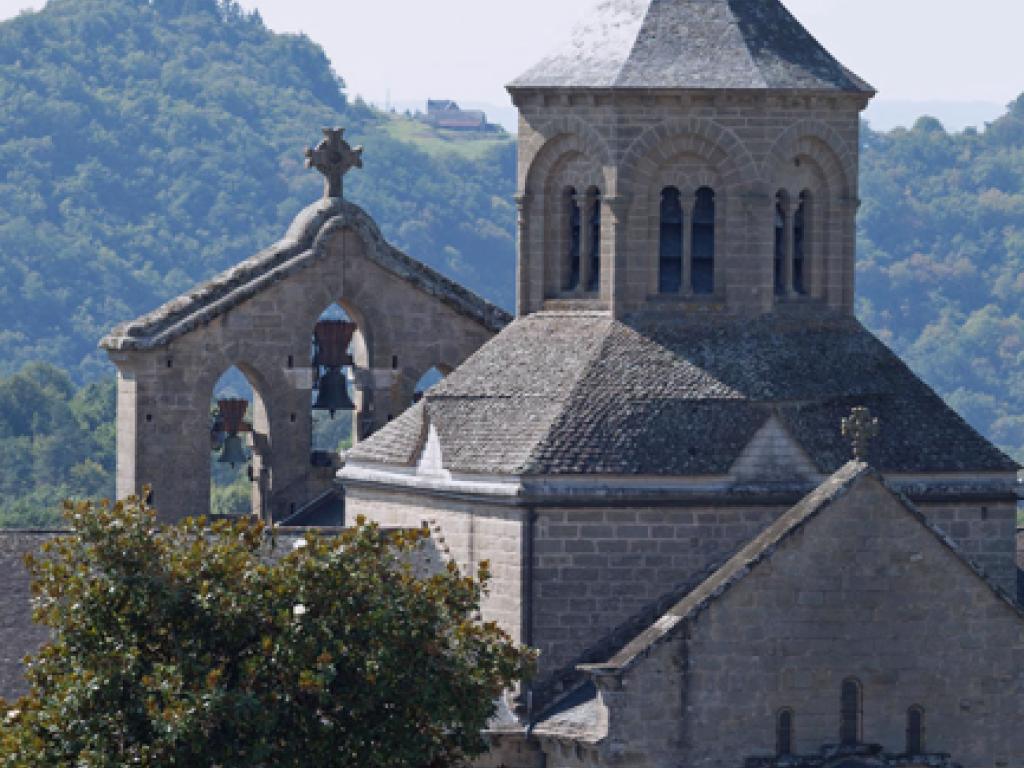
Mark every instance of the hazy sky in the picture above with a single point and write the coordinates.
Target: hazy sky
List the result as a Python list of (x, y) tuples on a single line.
[(920, 50)]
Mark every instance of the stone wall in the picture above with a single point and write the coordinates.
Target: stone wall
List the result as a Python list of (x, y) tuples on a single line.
[(595, 568), (470, 532), (18, 635), (164, 393), (862, 591), (747, 147)]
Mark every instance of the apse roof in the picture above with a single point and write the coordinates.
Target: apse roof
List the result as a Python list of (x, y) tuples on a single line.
[(692, 44), (584, 394)]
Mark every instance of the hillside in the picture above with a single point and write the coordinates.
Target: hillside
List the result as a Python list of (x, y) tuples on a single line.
[(147, 144), (941, 262)]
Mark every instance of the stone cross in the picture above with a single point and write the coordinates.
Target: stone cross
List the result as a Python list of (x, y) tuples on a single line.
[(860, 427), (333, 157)]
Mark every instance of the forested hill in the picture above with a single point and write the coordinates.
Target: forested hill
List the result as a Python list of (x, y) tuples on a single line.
[(146, 145), (941, 262)]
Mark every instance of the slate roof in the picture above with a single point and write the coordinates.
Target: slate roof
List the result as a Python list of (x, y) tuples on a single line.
[(692, 44), (301, 246), (657, 395)]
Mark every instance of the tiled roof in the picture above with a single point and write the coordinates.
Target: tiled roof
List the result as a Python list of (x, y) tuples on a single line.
[(579, 394), (692, 44)]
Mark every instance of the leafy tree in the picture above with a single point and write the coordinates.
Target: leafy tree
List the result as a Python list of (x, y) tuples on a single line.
[(193, 645)]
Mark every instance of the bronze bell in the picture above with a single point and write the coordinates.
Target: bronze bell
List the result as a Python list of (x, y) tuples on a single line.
[(234, 452), (332, 393)]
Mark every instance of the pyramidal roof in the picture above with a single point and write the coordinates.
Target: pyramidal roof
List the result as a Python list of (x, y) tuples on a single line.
[(692, 44)]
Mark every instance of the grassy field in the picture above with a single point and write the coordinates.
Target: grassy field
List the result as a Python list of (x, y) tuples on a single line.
[(436, 142)]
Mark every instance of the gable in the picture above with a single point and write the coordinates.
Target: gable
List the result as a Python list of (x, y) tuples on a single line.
[(773, 455)]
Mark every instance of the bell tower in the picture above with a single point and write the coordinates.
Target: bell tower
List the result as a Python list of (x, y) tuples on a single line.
[(688, 156)]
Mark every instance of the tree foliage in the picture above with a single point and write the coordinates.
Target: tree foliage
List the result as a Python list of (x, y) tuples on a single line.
[(56, 442), (941, 262), (147, 145), (194, 645)]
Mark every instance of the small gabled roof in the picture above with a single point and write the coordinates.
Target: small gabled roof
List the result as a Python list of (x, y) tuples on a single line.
[(762, 548), (692, 44), (300, 247)]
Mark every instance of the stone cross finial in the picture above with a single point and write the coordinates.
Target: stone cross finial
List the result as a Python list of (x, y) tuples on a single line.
[(860, 427), (333, 157)]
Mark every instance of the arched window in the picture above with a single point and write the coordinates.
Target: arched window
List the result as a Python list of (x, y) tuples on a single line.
[(427, 380), (800, 244), (573, 221), (703, 260), (784, 733), (594, 267), (915, 731), (781, 225), (850, 713), (670, 265)]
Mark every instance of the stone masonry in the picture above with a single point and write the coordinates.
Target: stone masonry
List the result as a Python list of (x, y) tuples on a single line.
[(259, 317)]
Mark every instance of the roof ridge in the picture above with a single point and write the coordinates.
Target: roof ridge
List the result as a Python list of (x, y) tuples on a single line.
[(302, 244), (596, 353)]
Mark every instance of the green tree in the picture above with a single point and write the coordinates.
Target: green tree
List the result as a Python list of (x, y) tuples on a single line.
[(194, 645)]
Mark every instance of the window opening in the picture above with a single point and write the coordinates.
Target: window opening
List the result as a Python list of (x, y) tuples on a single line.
[(780, 243), (332, 362), (703, 272), (850, 713), (800, 245), (915, 731), (230, 425), (670, 271), (594, 278), (784, 733), (427, 380), (573, 219)]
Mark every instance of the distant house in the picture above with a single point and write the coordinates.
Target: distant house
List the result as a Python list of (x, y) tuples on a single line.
[(444, 113)]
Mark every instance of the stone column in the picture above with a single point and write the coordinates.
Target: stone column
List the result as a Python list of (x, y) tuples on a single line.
[(688, 212), (614, 286), (523, 260), (375, 406), (585, 202)]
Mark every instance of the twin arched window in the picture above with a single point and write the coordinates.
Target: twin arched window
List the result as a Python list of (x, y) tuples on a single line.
[(672, 259), (791, 243), (583, 218)]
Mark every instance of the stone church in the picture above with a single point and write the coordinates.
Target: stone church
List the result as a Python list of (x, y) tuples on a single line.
[(655, 453)]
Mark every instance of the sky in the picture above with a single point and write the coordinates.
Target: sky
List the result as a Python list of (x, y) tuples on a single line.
[(951, 58)]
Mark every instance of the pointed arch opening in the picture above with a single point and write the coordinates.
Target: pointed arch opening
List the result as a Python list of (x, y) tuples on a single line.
[(784, 733), (574, 235), (232, 411), (593, 282), (915, 730), (851, 713), (335, 340), (702, 272), (670, 264)]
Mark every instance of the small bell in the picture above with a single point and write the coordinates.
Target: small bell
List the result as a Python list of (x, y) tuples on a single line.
[(234, 452), (332, 393)]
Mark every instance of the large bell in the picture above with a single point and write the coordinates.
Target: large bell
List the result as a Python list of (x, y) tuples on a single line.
[(234, 452), (332, 393)]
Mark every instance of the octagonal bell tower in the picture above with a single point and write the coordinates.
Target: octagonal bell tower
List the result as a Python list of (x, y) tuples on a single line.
[(688, 156)]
